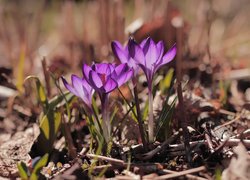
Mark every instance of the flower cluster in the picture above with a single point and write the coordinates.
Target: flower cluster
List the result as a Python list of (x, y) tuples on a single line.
[(103, 78)]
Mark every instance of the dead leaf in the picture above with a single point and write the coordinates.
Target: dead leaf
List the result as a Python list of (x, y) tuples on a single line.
[(239, 166), (16, 149)]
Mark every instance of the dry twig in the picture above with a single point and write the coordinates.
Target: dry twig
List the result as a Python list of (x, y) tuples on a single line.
[(182, 173), (170, 140)]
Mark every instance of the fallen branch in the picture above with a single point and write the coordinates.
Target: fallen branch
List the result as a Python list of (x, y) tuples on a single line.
[(112, 161), (117, 163), (193, 177), (99, 169), (182, 173), (229, 142), (189, 176), (170, 140)]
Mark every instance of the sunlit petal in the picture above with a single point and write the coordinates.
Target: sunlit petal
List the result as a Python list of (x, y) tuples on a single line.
[(110, 85), (169, 56), (119, 51), (69, 87), (95, 80), (85, 70), (151, 53), (136, 52)]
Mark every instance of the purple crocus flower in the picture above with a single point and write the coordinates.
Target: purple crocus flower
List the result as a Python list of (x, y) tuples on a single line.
[(150, 57), (80, 88), (122, 54), (105, 77)]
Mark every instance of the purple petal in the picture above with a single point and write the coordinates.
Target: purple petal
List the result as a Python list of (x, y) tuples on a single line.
[(103, 68), (169, 56), (121, 68), (87, 96), (131, 62), (88, 91), (95, 80), (87, 86), (119, 51), (110, 85), (125, 77), (145, 70), (121, 79), (160, 48), (69, 87), (85, 70), (145, 44), (151, 53), (78, 86), (122, 74), (142, 44), (79, 90), (136, 52)]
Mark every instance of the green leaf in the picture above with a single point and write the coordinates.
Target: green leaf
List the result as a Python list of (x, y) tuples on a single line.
[(145, 112), (164, 119), (40, 92), (218, 174), (50, 119), (224, 86), (23, 170), (113, 114), (49, 127), (95, 106), (166, 82), (45, 126), (57, 119), (38, 167), (58, 101), (95, 132)]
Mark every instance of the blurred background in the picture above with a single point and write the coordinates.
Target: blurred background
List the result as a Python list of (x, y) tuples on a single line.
[(68, 33), (55, 37)]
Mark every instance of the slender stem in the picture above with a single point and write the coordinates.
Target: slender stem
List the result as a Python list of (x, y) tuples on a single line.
[(139, 117), (182, 116), (150, 114), (96, 117), (68, 137), (46, 77), (105, 117)]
